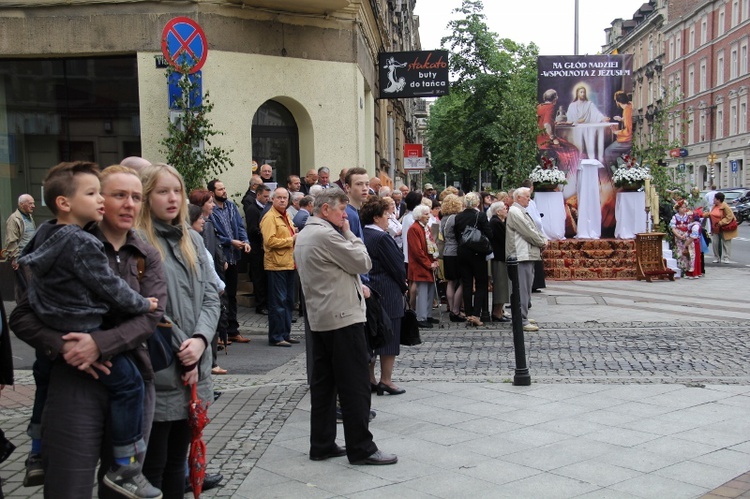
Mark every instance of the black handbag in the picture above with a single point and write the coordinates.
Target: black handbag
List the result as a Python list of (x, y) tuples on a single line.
[(473, 239), (410, 328), (159, 346), (378, 325)]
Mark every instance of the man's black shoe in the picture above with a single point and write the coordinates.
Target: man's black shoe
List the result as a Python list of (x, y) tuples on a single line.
[(210, 482), (378, 457), (433, 321), (424, 324), (337, 451), (262, 311)]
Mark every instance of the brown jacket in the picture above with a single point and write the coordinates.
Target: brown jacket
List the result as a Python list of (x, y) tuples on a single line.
[(125, 334), (726, 217)]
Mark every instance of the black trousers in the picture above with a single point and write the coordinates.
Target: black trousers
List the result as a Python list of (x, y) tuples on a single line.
[(473, 269), (341, 364), (230, 276), (165, 458), (258, 276)]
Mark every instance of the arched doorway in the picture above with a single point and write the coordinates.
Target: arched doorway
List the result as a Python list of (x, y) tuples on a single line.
[(276, 140)]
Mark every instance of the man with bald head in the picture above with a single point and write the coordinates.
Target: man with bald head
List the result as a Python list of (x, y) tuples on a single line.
[(375, 185), (19, 230), (135, 162), (266, 173), (311, 178)]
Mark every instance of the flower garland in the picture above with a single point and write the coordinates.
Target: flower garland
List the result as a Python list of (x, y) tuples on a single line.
[(630, 172), (547, 173)]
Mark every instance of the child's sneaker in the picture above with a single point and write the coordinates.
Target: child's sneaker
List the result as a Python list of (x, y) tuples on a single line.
[(34, 476), (130, 482)]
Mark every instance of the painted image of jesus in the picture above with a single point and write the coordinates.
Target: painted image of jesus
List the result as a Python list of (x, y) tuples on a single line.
[(582, 110)]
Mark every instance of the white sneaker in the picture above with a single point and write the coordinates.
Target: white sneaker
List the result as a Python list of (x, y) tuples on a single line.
[(531, 327), (727, 261), (531, 321), (715, 261)]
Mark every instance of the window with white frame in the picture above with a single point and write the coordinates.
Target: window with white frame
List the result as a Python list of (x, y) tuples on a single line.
[(691, 39), (678, 85), (691, 80), (722, 21), (690, 128), (735, 12), (702, 76), (702, 128), (678, 128), (650, 48), (720, 68), (733, 119), (743, 57), (719, 123), (745, 9), (678, 45), (671, 49), (704, 30), (733, 63), (743, 115)]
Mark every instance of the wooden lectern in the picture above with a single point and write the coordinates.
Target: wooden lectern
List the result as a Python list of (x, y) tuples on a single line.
[(650, 263)]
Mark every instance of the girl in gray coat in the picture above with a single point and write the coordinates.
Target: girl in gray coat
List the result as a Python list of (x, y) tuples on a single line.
[(193, 308)]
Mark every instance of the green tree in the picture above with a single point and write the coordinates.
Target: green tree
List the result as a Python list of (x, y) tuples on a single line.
[(488, 121), (187, 145)]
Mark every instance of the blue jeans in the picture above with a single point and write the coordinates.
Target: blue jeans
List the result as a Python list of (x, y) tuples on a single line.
[(280, 304), (124, 385)]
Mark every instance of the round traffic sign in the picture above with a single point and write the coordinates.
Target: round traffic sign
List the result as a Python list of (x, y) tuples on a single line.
[(184, 42)]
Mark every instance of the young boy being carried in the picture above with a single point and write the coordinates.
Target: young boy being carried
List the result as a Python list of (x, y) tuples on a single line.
[(71, 289)]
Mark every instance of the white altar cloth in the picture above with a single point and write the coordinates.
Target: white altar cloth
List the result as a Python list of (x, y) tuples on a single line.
[(589, 200), (552, 206), (630, 213)]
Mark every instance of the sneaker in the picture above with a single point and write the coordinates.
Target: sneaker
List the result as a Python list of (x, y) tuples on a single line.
[(130, 482), (715, 261), (34, 472), (531, 327)]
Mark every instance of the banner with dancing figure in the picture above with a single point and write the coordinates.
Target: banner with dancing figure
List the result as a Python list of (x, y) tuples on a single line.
[(585, 120)]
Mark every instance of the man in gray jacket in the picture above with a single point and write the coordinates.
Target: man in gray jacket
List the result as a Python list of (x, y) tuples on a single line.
[(524, 241), (329, 260)]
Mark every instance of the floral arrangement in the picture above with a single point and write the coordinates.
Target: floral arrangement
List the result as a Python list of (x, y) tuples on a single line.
[(630, 172), (547, 173)]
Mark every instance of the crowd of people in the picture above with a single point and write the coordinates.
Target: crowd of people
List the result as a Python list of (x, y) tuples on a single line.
[(143, 256)]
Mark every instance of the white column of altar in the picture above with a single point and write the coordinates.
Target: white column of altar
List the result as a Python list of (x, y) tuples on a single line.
[(630, 214), (552, 206), (589, 201)]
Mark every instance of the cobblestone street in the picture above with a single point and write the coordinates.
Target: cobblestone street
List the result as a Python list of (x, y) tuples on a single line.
[(253, 408)]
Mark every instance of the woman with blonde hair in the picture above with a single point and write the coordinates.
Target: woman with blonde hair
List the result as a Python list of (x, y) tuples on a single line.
[(193, 308), (452, 205)]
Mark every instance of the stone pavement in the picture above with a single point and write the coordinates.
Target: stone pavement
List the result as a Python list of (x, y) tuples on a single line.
[(639, 390)]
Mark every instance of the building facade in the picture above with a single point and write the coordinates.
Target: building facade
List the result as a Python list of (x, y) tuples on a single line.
[(701, 63), (642, 37), (293, 83)]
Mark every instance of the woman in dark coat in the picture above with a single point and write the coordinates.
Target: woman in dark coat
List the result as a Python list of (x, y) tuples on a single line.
[(472, 266), (500, 288), (388, 278)]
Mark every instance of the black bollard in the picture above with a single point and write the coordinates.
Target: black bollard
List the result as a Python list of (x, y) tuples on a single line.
[(522, 376)]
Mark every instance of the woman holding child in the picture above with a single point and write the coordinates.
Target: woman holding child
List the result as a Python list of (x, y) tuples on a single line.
[(76, 414)]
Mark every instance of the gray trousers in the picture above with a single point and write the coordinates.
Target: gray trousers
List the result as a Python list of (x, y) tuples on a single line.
[(525, 280), (425, 297), (75, 432)]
